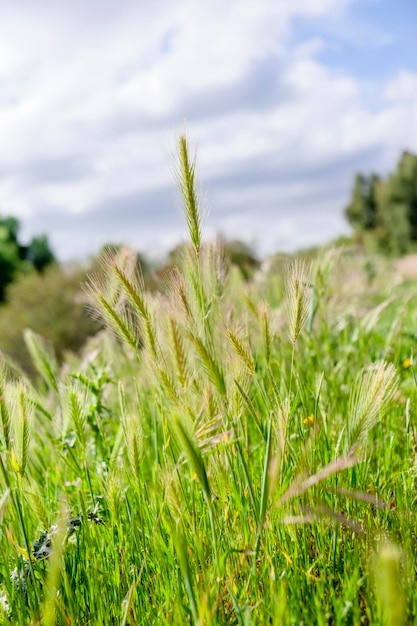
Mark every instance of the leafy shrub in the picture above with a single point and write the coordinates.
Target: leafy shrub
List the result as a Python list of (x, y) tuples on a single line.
[(53, 305)]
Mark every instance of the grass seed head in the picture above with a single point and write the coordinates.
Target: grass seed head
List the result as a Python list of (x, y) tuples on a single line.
[(298, 296)]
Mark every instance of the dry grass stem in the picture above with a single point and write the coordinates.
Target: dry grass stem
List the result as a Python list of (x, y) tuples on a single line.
[(300, 485)]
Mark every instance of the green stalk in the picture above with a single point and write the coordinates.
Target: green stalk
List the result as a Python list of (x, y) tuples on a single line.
[(18, 508), (264, 489), (182, 555)]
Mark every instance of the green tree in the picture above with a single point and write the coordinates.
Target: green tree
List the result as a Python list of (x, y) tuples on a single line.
[(362, 209), (402, 190), (385, 211), (15, 257), (396, 225), (39, 254), (10, 257), (392, 232), (241, 255)]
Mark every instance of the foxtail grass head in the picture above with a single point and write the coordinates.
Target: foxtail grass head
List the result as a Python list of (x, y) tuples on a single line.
[(298, 296), (189, 194), (371, 392)]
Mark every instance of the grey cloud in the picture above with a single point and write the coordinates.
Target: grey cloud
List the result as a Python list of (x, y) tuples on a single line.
[(266, 187), (125, 123), (262, 88), (131, 218), (115, 214), (256, 196), (275, 168), (147, 208), (55, 170), (41, 170)]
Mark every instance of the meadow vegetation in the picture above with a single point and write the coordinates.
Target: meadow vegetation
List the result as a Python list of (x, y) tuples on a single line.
[(228, 452)]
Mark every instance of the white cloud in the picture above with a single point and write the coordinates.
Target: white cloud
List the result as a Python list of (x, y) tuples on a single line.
[(403, 88), (94, 93)]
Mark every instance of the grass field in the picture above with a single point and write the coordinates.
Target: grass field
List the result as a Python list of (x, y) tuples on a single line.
[(229, 453)]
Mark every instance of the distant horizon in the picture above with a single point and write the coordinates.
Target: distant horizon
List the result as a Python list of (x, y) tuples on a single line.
[(158, 250), (260, 251)]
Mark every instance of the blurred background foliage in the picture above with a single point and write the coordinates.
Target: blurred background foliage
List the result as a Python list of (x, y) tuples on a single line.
[(50, 303), (383, 212), (16, 258)]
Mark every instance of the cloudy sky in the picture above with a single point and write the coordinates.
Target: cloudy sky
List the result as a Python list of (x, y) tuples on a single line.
[(284, 99)]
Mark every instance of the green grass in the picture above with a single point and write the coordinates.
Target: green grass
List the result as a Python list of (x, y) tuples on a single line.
[(228, 453)]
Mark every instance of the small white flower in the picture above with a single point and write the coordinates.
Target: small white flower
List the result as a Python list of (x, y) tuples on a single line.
[(4, 602)]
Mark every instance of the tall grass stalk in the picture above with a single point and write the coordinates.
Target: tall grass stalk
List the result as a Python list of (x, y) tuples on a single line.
[(187, 186), (186, 176), (298, 303)]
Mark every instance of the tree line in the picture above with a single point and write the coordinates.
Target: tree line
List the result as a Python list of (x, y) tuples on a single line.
[(15, 257), (383, 212)]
